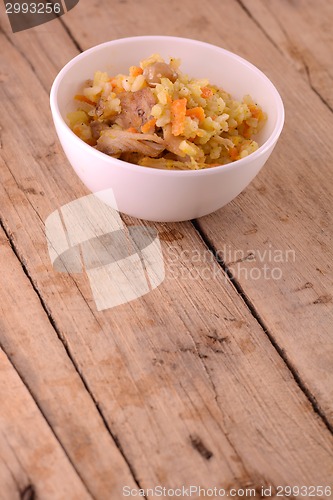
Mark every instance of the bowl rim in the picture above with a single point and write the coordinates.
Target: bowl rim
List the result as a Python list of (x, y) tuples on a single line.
[(261, 151)]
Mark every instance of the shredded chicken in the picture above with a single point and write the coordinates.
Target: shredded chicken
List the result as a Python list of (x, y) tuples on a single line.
[(166, 163), (115, 142), (136, 108), (171, 142), (173, 121), (161, 163), (97, 127), (131, 157), (100, 108)]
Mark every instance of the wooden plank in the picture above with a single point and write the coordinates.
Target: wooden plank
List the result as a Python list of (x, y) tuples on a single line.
[(185, 377), (39, 356), (301, 217), (28, 447), (44, 56), (302, 31), (284, 220), (9, 487)]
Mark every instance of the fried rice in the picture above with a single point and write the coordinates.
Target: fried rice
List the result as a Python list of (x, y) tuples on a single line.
[(157, 116)]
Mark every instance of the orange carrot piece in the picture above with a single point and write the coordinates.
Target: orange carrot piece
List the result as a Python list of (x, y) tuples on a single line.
[(178, 114), (135, 71), (246, 131), (115, 87), (83, 98), (149, 126), (197, 112), (206, 92), (132, 129), (255, 112), (233, 153), (260, 115)]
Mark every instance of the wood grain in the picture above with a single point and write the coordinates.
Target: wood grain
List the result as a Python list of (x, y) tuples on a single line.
[(286, 213), (28, 449), (301, 217), (39, 356), (302, 32), (187, 380)]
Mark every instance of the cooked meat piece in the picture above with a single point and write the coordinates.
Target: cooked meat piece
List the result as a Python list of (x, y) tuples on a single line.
[(100, 107), (131, 157), (96, 128), (154, 72), (171, 142), (115, 142), (163, 163), (135, 108)]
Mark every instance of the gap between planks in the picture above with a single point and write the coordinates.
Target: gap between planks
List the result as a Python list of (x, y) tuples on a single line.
[(62, 340), (272, 41), (70, 34), (45, 308), (225, 268), (211, 248), (29, 491), (27, 60), (251, 308)]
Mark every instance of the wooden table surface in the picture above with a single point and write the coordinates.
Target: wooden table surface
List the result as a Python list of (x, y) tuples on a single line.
[(223, 375)]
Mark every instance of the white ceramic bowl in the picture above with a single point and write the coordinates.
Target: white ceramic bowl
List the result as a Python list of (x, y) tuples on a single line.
[(166, 195)]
